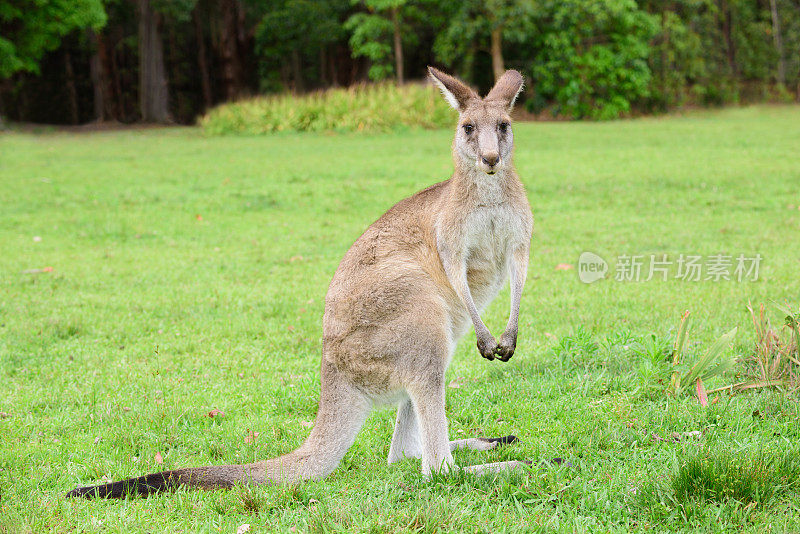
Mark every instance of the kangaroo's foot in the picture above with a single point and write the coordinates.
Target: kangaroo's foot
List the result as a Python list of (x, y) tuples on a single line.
[(495, 468), (481, 444), (406, 441), (475, 444)]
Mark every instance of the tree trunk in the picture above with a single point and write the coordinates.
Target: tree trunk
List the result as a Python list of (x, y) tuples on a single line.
[(297, 72), (99, 70), (776, 35), (95, 68), (664, 45), (498, 65), (24, 105), (665, 89), (153, 92), (727, 32), (323, 66), (398, 46), (3, 88), (232, 72), (116, 78), (333, 59), (202, 63), (72, 93)]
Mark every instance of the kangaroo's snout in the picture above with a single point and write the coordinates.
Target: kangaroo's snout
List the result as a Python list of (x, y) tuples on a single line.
[(489, 162), (491, 159)]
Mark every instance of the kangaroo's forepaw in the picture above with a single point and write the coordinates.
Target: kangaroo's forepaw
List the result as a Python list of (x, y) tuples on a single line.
[(487, 346), (504, 353), (506, 347)]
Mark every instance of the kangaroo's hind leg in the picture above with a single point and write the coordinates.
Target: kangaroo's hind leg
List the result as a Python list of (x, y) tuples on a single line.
[(406, 439), (427, 398)]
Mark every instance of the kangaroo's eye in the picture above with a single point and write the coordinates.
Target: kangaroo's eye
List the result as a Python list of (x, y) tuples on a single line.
[(503, 127), (468, 129)]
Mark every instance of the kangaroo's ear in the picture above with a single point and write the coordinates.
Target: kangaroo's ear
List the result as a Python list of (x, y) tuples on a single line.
[(507, 88), (455, 91)]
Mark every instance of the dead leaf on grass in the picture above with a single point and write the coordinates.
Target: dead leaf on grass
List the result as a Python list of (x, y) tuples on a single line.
[(47, 269), (456, 382), (702, 396)]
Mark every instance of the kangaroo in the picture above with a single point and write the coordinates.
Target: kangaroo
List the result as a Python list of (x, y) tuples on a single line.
[(403, 295)]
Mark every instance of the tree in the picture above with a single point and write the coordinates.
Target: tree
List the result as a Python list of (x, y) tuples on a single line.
[(153, 89), (379, 34), (153, 82), (591, 56), (202, 59), (678, 57), (302, 31), (483, 26), (30, 28), (232, 42), (64, 61), (776, 33)]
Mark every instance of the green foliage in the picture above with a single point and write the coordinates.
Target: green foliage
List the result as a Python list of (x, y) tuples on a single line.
[(468, 29), (577, 350), (176, 10), (372, 30), (692, 371), (714, 53), (676, 59), (30, 28), (302, 27), (367, 108), (594, 59), (371, 38), (592, 56)]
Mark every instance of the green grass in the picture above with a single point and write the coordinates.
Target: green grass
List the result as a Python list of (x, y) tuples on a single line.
[(188, 274)]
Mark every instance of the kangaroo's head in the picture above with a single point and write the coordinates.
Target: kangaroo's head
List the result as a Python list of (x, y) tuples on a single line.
[(484, 140)]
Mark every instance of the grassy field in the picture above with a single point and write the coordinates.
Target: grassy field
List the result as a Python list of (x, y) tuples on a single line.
[(178, 274)]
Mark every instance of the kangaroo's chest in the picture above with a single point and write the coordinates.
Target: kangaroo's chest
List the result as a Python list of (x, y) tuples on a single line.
[(489, 233)]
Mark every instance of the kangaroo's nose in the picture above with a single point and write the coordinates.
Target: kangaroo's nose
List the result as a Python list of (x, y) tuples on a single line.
[(491, 159)]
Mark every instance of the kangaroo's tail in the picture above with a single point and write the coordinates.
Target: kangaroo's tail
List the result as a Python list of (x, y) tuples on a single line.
[(205, 477), (342, 412)]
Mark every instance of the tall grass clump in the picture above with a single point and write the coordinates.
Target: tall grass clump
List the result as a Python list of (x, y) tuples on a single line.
[(742, 476), (363, 108), (775, 361), (721, 475), (731, 482)]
